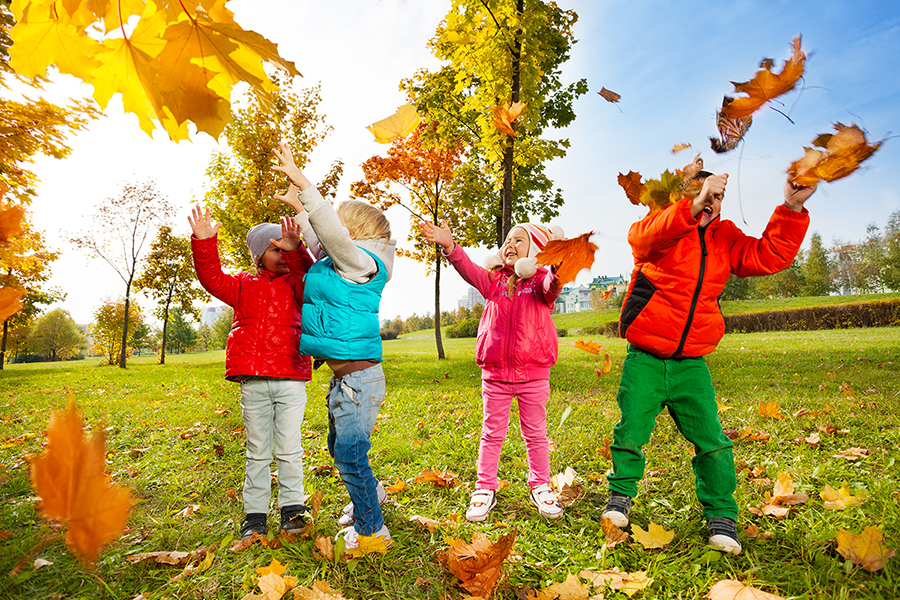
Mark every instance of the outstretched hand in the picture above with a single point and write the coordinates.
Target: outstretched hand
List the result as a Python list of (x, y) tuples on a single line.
[(713, 188), (290, 198), (795, 195), (439, 235), (286, 158), (201, 224), (290, 236)]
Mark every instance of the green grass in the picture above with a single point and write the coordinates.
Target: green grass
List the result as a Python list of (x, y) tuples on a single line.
[(431, 419)]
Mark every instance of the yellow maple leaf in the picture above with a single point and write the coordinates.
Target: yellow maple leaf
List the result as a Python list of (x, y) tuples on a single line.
[(45, 34), (630, 583), (369, 544), (570, 589), (274, 567), (865, 549), (398, 125), (655, 536), (318, 591), (770, 409), (839, 499)]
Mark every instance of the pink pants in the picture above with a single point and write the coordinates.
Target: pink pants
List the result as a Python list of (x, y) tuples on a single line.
[(497, 399)]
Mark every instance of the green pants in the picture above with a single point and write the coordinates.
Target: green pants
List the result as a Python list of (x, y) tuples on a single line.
[(684, 386)]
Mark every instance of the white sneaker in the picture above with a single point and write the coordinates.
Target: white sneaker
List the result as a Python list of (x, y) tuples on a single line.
[(351, 536), (545, 499), (480, 504), (347, 517)]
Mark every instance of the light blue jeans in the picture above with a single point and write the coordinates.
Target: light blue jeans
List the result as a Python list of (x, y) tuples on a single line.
[(273, 412), (353, 404)]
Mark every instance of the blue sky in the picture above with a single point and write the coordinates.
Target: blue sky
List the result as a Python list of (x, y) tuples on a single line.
[(670, 61)]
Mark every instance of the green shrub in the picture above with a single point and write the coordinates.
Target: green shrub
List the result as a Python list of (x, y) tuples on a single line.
[(467, 328)]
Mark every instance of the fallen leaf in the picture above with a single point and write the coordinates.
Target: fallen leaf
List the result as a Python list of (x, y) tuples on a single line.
[(766, 85), (74, 488), (865, 549), (323, 548), (655, 536), (613, 534), (609, 95), (187, 511), (369, 544), (630, 583), (318, 591), (571, 256), (770, 409), (41, 562), (839, 499), (274, 567), (852, 454), (570, 589), (604, 451), (505, 116), (430, 524), (729, 589), (400, 485), (477, 564), (440, 479)]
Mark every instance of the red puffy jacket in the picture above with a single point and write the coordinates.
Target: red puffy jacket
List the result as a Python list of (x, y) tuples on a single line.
[(671, 308), (265, 332)]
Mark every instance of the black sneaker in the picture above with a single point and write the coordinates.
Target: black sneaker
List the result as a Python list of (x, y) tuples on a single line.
[(293, 518), (723, 534), (253, 523), (617, 508)]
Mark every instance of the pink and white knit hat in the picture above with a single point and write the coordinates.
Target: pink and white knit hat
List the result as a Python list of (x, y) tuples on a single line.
[(539, 235)]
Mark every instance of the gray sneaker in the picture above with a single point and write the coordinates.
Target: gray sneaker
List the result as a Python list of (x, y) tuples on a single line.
[(723, 534), (617, 508)]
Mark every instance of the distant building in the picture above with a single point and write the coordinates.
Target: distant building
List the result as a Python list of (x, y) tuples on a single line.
[(211, 314), (471, 298), (578, 298)]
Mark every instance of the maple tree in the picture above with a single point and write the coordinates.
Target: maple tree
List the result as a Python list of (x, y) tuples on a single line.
[(168, 276), (171, 61), (109, 321), (424, 168), (833, 156), (502, 53), (119, 229), (56, 336), (242, 184), (74, 488)]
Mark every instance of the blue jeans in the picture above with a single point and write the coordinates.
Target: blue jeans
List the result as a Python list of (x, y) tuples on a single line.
[(353, 404), (273, 412)]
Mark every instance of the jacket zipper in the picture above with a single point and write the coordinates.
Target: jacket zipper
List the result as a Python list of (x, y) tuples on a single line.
[(511, 333), (690, 319)]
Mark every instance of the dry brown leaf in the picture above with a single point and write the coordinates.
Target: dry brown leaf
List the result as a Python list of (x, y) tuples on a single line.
[(609, 95), (323, 548), (729, 589), (571, 256), (852, 454), (74, 488), (679, 147), (731, 129), (441, 479), (633, 187), (477, 564), (604, 451), (865, 549), (319, 591), (613, 534)]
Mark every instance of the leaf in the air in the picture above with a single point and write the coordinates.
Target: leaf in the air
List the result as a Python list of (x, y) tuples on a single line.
[(632, 185), (74, 488), (609, 95), (10, 302), (835, 156), (505, 116), (766, 85), (679, 147), (398, 125), (589, 346), (655, 536), (865, 549), (571, 256), (46, 35), (731, 129), (663, 192)]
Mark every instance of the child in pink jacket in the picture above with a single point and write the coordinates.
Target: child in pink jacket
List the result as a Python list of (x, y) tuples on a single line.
[(517, 345)]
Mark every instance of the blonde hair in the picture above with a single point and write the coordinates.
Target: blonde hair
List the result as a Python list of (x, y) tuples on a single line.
[(363, 220)]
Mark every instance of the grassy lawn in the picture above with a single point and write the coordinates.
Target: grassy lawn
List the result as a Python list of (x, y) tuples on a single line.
[(173, 438)]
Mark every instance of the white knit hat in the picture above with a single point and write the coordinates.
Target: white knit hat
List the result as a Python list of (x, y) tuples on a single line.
[(538, 235), (258, 239)]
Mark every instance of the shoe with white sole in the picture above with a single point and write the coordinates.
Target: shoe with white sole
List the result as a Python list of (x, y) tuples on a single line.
[(617, 508), (545, 499), (723, 534), (480, 504), (346, 519), (351, 536)]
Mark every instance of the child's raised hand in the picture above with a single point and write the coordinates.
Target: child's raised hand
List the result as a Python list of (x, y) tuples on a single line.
[(290, 198), (290, 235), (795, 195), (713, 189), (201, 223), (287, 166), (439, 235)]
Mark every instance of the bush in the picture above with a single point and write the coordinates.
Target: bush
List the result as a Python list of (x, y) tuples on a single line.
[(562, 332), (389, 334), (466, 328)]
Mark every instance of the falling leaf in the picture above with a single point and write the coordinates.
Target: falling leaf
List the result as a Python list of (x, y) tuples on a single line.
[(439, 479), (609, 95), (505, 116), (589, 346), (74, 488), (477, 564), (400, 485), (839, 155), (398, 125), (604, 450), (661, 193), (729, 589), (11, 222), (839, 499), (731, 129), (633, 187), (571, 256), (770, 409), (10, 302), (679, 147), (613, 534), (766, 85), (690, 185), (654, 537), (865, 549), (605, 368)]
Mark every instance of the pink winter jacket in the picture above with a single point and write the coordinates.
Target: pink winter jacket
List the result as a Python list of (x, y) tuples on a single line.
[(517, 340)]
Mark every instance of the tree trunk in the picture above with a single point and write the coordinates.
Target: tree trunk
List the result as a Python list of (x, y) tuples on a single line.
[(123, 354), (506, 200), (162, 349), (437, 301), (3, 343)]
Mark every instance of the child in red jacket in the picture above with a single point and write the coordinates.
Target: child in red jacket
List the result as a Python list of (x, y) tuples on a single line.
[(683, 256), (517, 345), (262, 354)]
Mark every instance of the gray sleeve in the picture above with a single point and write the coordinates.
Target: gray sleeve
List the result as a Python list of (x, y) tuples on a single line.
[(351, 262), (309, 235)]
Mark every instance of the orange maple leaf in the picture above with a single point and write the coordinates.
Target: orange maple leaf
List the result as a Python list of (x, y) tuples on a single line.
[(505, 116), (770, 409), (865, 549), (609, 95), (589, 346), (438, 478), (74, 488), (605, 368), (633, 187), (613, 534), (571, 255), (839, 154), (477, 564), (10, 222), (10, 302), (766, 85), (679, 147)]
